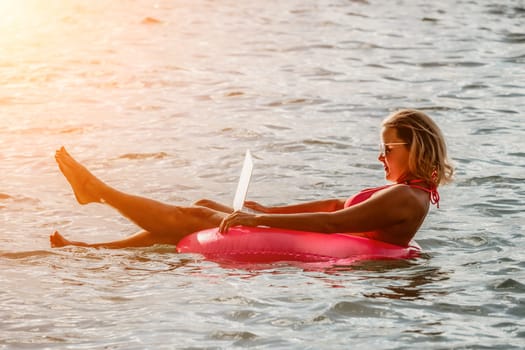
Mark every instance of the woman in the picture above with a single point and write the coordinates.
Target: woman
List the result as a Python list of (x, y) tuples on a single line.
[(413, 153)]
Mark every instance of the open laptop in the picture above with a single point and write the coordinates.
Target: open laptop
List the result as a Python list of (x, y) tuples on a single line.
[(244, 182)]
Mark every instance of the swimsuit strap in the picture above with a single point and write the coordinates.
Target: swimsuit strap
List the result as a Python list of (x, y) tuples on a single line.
[(432, 191)]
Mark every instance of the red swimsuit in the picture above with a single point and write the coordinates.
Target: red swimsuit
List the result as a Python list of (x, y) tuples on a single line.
[(368, 192)]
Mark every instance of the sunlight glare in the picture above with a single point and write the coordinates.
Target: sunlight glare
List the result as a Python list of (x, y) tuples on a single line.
[(20, 19), (13, 13)]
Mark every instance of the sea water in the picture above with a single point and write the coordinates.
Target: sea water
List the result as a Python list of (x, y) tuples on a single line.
[(162, 98)]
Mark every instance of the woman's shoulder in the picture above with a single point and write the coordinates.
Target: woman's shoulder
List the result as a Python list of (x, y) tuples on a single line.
[(406, 196)]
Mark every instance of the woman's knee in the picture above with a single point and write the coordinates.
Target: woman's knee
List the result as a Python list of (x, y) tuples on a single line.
[(204, 203), (202, 216), (208, 203)]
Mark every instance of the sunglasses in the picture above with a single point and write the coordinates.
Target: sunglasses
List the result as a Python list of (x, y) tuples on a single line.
[(384, 148)]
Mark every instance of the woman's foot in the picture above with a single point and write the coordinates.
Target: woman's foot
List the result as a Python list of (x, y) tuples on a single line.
[(84, 184), (57, 240)]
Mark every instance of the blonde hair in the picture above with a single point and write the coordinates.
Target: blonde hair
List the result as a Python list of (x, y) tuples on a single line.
[(427, 149)]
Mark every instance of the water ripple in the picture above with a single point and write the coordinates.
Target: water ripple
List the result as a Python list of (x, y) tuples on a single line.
[(138, 156), (511, 285), (183, 87)]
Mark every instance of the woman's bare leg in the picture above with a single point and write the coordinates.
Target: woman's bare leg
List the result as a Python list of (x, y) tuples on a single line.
[(141, 239), (163, 223)]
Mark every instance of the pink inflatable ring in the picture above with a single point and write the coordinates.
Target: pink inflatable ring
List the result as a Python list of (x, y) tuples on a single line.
[(265, 245)]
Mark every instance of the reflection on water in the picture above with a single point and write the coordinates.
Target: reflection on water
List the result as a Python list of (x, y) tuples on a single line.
[(394, 279), (416, 285)]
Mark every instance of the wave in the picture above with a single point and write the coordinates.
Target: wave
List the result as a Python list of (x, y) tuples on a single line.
[(26, 254), (494, 180), (137, 156)]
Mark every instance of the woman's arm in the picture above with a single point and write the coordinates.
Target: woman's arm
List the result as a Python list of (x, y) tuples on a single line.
[(307, 207), (327, 205), (384, 209)]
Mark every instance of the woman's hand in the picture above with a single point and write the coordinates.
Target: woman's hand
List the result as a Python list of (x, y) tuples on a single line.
[(257, 207), (237, 218)]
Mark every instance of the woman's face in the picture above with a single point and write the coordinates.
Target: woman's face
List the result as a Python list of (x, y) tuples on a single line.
[(394, 156)]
